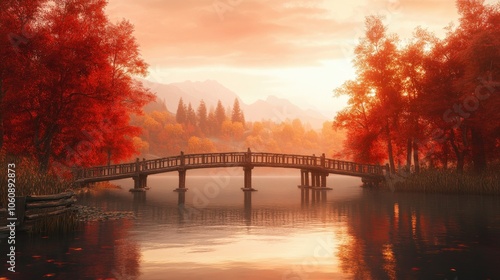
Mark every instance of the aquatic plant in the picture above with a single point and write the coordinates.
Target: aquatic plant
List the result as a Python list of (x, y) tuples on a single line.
[(447, 181)]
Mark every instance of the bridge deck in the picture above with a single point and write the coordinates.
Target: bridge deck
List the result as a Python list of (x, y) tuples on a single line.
[(214, 160)]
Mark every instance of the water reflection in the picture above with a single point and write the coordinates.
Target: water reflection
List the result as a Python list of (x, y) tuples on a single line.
[(99, 250), (279, 232), (413, 236)]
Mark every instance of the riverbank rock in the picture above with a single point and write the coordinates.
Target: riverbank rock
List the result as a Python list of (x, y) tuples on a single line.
[(88, 213)]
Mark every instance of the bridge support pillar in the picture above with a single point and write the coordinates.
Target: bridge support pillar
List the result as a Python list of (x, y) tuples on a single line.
[(304, 178), (248, 179), (318, 180), (182, 181), (370, 182), (140, 183), (323, 180)]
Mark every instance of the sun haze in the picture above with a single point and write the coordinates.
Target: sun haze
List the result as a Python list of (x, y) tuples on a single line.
[(299, 50)]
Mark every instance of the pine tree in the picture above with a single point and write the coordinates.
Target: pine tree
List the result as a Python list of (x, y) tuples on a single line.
[(190, 116), (211, 123), (202, 117), (220, 117), (237, 114), (181, 114)]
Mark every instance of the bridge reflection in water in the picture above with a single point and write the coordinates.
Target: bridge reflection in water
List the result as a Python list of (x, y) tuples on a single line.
[(310, 201)]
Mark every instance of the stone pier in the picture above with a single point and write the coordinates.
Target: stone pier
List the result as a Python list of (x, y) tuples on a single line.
[(182, 181), (140, 183), (313, 179)]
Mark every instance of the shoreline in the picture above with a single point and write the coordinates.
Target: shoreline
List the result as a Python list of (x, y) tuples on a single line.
[(445, 182)]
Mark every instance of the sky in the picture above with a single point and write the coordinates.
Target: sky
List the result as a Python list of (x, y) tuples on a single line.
[(298, 50)]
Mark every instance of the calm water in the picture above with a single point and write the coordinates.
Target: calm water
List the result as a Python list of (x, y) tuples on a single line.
[(215, 231)]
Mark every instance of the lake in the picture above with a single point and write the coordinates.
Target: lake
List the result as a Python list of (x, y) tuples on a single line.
[(217, 231)]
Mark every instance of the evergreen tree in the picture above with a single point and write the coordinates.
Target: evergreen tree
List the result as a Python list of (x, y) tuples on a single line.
[(237, 114), (211, 122), (202, 117), (181, 114), (220, 117), (190, 116)]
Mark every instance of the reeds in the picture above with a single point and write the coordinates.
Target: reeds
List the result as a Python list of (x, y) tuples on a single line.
[(451, 182), (30, 181), (57, 224)]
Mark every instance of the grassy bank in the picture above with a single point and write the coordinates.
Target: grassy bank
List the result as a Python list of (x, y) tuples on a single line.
[(446, 181), (29, 181)]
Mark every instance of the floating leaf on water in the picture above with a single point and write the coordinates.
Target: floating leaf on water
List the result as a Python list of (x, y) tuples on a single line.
[(59, 264)]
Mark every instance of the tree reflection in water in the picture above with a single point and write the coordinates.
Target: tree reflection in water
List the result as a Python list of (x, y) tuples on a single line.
[(416, 236)]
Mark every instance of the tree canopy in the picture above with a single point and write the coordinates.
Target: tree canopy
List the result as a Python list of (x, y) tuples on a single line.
[(67, 84), (427, 101)]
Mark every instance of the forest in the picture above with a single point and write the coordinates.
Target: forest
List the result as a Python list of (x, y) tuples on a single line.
[(223, 128), (427, 102)]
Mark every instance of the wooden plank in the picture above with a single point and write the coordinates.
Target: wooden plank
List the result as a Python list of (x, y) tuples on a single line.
[(32, 198), (47, 204)]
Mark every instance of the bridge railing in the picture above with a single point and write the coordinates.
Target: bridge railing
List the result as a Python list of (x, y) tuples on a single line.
[(100, 171), (159, 163), (214, 158), (238, 158), (353, 167), (285, 159)]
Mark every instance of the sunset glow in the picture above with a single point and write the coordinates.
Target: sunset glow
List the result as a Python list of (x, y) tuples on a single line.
[(299, 50)]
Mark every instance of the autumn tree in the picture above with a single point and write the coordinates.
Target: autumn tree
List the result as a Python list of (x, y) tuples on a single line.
[(80, 77), (458, 98), (476, 42), (376, 65), (17, 20), (413, 62)]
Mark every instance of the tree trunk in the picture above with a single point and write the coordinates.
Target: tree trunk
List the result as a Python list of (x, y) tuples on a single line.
[(389, 147), (478, 153), (460, 154), (416, 161), (446, 153), (43, 147), (408, 153)]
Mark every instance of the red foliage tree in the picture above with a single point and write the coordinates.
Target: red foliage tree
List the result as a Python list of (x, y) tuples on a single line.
[(74, 107)]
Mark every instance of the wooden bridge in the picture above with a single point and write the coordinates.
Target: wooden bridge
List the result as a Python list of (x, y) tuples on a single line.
[(314, 169)]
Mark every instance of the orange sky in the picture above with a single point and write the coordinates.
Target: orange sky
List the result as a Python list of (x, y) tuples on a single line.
[(299, 50)]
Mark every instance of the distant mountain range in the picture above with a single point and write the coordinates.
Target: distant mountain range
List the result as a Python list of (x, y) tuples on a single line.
[(273, 108)]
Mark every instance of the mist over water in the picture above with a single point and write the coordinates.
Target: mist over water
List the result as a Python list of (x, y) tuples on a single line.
[(217, 231)]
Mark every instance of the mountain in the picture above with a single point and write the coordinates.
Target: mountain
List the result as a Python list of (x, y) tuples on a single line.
[(273, 108), (192, 92), (280, 109)]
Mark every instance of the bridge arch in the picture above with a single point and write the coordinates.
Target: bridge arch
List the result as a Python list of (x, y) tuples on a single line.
[(314, 169)]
